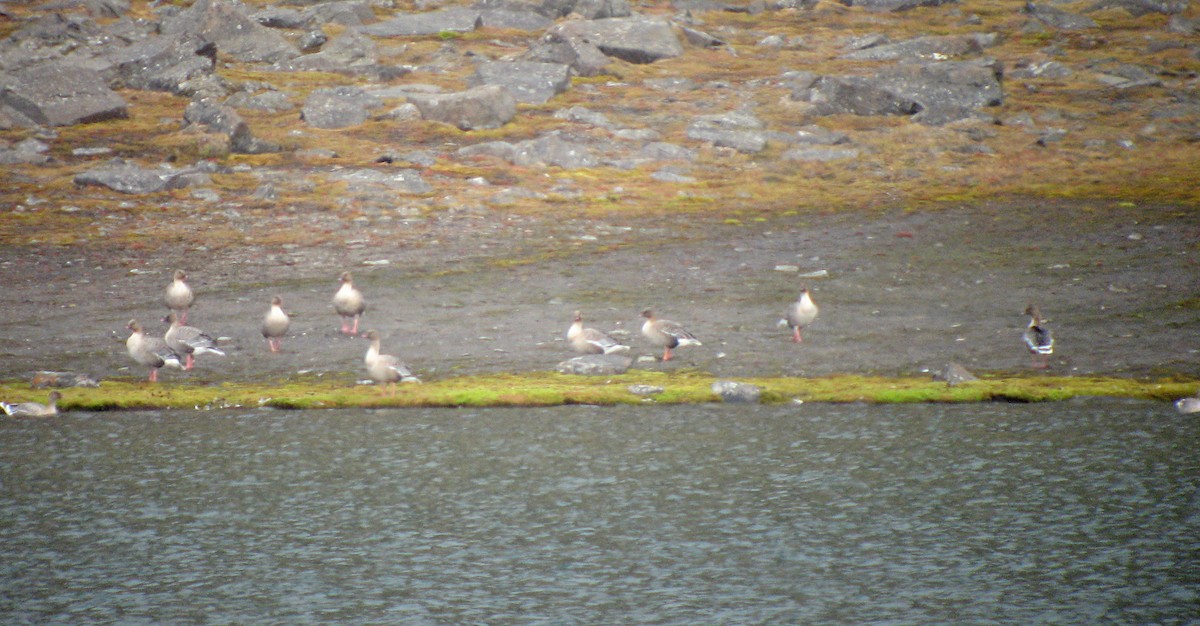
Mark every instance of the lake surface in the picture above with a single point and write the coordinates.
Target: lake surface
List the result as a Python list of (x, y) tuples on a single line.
[(1076, 513)]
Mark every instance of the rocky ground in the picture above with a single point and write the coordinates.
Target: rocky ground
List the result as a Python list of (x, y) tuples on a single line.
[(927, 172)]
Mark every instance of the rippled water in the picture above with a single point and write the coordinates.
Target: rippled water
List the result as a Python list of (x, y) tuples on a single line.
[(1082, 512)]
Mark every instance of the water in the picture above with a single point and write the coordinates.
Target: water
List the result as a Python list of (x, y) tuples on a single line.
[(1078, 513)]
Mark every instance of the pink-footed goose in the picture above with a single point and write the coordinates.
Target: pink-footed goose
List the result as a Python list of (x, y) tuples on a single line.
[(590, 340), (33, 409), (275, 324), (800, 314), (1038, 339), (385, 368), (150, 351), (349, 303), (189, 341), (666, 334), (178, 296)]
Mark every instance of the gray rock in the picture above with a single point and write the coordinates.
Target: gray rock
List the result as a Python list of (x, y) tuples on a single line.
[(163, 63), (586, 9), (733, 391), (29, 151), (954, 374), (125, 177), (926, 47), (367, 180), (637, 134), (663, 151), (57, 94), (280, 17), (583, 115), (595, 365), (819, 154), (1047, 69), (344, 12), (632, 39), (1058, 18), (817, 135), (490, 106), (1138, 8), (455, 19), (857, 95), (584, 58), (553, 150), (645, 390), (106, 8), (312, 41), (498, 149), (668, 176), (894, 5), (966, 84), (270, 101), (528, 81), (347, 51), (747, 141), (338, 107), (235, 33), (700, 39)]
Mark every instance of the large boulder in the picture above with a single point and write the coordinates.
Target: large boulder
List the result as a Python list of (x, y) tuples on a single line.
[(163, 63), (894, 5), (632, 39), (232, 30), (925, 47), (224, 120), (57, 94), (349, 50), (857, 95), (1057, 18), (490, 106), (553, 150), (940, 92), (527, 81), (583, 57), (455, 19), (125, 177)]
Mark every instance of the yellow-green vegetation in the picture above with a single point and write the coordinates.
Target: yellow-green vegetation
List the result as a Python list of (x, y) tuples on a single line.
[(552, 389)]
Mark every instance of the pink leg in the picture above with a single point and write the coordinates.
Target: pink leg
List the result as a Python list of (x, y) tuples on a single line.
[(189, 362), (796, 335), (154, 375), (355, 330), (666, 354), (183, 317)]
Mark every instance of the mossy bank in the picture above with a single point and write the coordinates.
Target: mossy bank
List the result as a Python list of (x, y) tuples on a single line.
[(551, 389)]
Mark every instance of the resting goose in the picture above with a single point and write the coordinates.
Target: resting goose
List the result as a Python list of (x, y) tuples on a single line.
[(33, 409), (275, 324), (802, 313), (150, 351), (1038, 338), (666, 334), (590, 340), (385, 368), (189, 341), (349, 303), (178, 296)]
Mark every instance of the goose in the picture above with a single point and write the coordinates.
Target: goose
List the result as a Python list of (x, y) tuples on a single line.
[(275, 324), (1038, 338), (178, 296), (800, 314), (33, 409), (189, 341), (666, 334), (1188, 405), (590, 340), (349, 303), (150, 351), (385, 368)]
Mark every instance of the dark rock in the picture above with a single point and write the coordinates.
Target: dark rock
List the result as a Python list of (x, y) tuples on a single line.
[(954, 374), (489, 106), (632, 39), (733, 391), (338, 107), (312, 41), (832, 95), (529, 82), (280, 17), (56, 94), (584, 58), (1058, 18), (943, 92), (233, 32), (595, 365), (224, 120), (700, 38), (926, 47), (163, 63), (894, 5)]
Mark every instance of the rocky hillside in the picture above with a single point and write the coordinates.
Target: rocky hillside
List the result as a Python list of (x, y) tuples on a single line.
[(279, 124)]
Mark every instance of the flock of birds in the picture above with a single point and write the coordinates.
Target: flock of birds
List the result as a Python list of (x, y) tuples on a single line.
[(181, 343)]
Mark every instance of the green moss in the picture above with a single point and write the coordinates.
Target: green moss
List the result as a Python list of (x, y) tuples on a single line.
[(552, 389)]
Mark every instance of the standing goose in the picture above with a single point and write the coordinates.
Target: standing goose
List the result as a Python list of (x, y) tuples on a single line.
[(666, 334), (1038, 338), (33, 409), (189, 341), (802, 313), (178, 296), (385, 368), (590, 340), (349, 303), (150, 351), (275, 324)]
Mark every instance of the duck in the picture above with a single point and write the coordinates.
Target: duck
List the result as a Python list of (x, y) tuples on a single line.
[(189, 341), (1038, 338), (800, 314), (590, 340), (1188, 405), (349, 303), (666, 334), (179, 296), (33, 409), (385, 368), (275, 324), (150, 351)]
